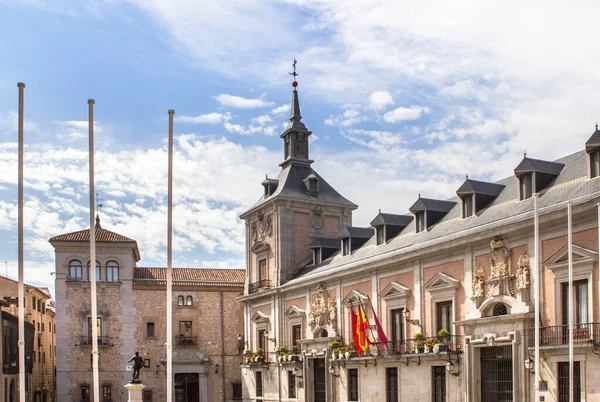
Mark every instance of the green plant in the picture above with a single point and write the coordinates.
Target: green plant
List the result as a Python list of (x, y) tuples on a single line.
[(334, 343), (431, 341), (442, 333), (419, 335), (282, 349), (247, 352), (295, 349), (420, 344), (260, 351)]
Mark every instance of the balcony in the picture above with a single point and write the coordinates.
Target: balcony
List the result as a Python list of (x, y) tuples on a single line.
[(263, 284), (87, 341), (452, 344), (556, 336), (185, 340)]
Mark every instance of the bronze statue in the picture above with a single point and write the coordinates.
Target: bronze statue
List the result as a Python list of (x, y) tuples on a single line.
[(138, 363)]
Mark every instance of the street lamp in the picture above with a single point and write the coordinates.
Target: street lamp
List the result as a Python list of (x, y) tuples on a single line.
[(406, 315), (529, 365)]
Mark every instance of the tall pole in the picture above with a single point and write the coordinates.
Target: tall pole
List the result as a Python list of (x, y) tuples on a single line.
[(170, 264), (570, 304), (96, 378), (21, 292), (536, 295)]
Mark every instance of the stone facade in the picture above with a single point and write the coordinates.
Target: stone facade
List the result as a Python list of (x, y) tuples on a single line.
[(131, 308), (42, 381), (468, 267)]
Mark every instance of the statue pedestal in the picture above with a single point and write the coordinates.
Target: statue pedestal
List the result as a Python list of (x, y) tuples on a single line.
[(135, 392)]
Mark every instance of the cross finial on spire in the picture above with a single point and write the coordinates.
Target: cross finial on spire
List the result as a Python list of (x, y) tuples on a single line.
[(294, 74), (596, 126), (98, 202)]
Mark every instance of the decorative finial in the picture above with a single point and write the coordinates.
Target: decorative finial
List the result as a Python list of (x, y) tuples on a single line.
[(596, 126), (524, 154), (267, 176), (294, 74), (98, 202), (379, 210), (98, 222), (467, 176), (419, 194)]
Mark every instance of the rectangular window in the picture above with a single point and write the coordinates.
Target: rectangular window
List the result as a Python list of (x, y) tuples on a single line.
[(236, 390), (467, 206), (185, 332), (563, 382), (353, 385), (439, 384), (595, 164), (147, 363), (112, 273), (43, 308), (147, 395), (580, 302), (525, 185), (75, 272), (380, 234), (106, 393), (85, 393), (397, 330), (444, 316), (33, 303), (259, 384), (391, 384), (296, 334), (346, 246), (39, 305), (291, 385), (316, 256), (98, 327), (262, 270), (260, 341), (97, 272), (149, 330), (420, 221)]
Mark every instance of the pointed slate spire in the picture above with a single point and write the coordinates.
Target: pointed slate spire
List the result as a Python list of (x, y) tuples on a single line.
[(295, 116)]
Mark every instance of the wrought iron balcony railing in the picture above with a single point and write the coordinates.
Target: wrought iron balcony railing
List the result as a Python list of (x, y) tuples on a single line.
[(451, 343), (87, 341), (558, 335), (263, 284), (185, 340)]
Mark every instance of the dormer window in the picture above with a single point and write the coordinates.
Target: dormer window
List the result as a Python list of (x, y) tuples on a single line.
[(595, 164), (316, 256), (420, 222), (312, 183), (525, 186), (467, 202), (380, 230), (346, 246)]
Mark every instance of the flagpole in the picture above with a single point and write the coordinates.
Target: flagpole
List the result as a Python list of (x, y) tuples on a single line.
[(21, 290), (170, 264), (570, 304), (369, 325), (96, 378), (378, 328), (536, 295)]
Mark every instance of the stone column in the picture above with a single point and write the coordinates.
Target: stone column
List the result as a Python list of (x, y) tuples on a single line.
[(135, 392)]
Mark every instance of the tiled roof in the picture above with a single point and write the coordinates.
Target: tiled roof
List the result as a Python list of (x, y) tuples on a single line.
[(594, 141), (480, 187), (325, 242), (102, 236), (429, 204), (529, 165), (391, 219), (191, 276), (355, 231)]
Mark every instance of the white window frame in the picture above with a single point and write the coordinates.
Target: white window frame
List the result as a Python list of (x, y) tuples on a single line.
[(396, 297), (441, 288), (295, 316)]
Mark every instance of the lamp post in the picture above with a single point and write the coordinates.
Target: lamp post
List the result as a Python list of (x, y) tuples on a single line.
[(406, 315)]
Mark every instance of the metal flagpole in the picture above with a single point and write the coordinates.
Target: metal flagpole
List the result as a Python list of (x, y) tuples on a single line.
[(94, 325), (21, 291), (570, 304), (536, 295), (170, 264)]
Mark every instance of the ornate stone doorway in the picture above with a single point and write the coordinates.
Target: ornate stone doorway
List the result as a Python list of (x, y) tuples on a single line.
[(319, 381), (187, 387)]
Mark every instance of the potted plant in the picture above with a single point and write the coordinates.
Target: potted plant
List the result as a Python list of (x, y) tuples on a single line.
[(443, 335), (334, 353), (282, 354), (259, 355), (334, 343), (430, 343), (293, 355)]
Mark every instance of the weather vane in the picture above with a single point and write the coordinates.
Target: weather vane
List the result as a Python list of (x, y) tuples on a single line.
[(98, 202), (294, 74)]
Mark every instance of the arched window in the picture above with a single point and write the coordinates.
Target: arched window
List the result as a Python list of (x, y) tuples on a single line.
[(500, 309), (98, 278), (189, 301), (112, 271), (75, 270), (323, 333), (180, 300)]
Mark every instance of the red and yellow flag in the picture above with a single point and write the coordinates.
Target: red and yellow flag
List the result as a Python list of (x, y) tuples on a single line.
[(361, 335)]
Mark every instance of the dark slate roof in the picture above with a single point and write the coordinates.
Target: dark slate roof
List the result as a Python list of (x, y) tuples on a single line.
[(529, 165), (571, 184), (594, 141), (190, 276), (291, 186), (355, 231), (391, 219), (428, 204), (325, 242), (479, 187)]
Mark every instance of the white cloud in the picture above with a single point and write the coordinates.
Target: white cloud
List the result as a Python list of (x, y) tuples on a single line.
[(380, 99), (209, 118), (405, 113), (241, 103), (262, 120), (281, 109), (348, 118)]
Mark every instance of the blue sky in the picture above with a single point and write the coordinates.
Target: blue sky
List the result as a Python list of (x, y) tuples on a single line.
[(401, 97)]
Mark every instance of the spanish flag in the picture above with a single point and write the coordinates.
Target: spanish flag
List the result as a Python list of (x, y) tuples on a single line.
[(361, 335)]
